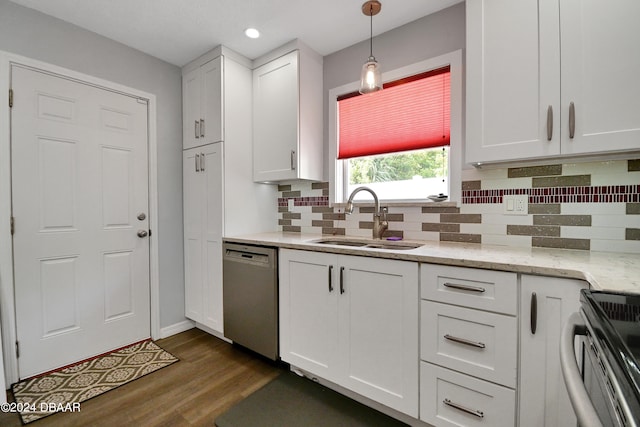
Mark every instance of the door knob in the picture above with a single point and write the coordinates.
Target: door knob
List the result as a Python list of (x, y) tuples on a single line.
[(142, 233), (142, 216)]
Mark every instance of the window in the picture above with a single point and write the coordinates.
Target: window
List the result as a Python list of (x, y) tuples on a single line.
[(401, 141)]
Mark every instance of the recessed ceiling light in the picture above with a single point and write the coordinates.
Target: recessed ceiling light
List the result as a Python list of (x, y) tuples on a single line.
[(252, 33)]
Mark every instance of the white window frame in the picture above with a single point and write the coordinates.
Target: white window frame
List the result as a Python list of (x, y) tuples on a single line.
[(338, 168)]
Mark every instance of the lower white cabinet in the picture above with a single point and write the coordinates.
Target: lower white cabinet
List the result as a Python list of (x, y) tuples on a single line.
[(545, 305), (449, 398), (202, 192), (352, 321)]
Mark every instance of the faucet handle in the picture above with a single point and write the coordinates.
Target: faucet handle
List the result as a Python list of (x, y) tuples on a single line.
[(383, 213)]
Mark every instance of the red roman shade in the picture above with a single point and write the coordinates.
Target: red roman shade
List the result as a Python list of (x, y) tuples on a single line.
[(409, 114)]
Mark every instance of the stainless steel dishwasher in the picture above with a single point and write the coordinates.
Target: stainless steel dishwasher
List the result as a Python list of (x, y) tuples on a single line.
[(250, 297)]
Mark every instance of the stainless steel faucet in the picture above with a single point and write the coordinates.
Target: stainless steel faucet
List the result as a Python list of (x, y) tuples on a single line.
[(380, 223)]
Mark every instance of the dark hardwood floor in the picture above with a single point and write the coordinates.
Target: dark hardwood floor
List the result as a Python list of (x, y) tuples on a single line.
[(210, 377)]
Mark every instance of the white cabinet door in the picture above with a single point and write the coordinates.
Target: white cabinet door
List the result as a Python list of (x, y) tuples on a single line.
[(543, 397), (191, 95), (202, 182), (193, 189), (211, 120), (600, 69), (211, 169), (308, 311), (275, 119), (353, 321), (513, 63), (378, 330), (202, 99)]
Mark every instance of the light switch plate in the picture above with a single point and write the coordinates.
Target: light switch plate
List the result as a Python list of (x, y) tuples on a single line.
[(516, 204)]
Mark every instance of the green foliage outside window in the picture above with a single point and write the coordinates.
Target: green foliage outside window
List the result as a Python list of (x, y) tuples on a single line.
[(428, 163)]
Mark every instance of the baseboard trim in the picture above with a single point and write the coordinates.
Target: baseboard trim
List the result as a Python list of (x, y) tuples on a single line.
[(176, 328)]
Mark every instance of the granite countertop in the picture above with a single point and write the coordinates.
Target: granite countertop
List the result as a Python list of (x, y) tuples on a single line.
[(603, 270)]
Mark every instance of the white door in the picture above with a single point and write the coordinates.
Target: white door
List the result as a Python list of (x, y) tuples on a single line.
[(80, 197)]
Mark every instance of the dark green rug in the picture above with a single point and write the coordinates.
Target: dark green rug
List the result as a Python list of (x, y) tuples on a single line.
[(292, 401)]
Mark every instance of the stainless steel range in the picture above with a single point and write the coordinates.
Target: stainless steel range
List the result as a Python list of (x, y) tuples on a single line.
[(607, 391)]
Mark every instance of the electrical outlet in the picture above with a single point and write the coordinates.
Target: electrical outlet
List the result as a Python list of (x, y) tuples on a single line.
[(515, 204)]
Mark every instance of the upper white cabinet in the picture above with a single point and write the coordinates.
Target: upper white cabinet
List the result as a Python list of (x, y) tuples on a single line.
[(202, 116), (546, 303), (353, 321), (287, 115), (551, 77)]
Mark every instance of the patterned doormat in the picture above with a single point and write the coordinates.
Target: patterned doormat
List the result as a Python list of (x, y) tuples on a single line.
[(63, 390)]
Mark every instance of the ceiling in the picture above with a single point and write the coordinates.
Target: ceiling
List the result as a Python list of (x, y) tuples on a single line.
[(178, 31)]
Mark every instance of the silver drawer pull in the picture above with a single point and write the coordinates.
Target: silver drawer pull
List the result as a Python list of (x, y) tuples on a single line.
[(464, 341), (459, 407), (464, 287)]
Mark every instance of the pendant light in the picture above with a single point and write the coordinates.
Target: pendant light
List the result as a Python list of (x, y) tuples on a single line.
[(370, 79)]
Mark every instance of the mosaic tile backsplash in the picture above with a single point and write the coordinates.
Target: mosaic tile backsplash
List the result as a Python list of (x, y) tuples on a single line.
[(587, 206)]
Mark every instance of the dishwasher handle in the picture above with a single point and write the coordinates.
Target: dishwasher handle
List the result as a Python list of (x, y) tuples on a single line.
[(582, 406), (249, 255)]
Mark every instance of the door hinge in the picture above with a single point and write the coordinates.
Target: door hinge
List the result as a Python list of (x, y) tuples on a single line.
[(17, 349), (13, 225), (10, 98)]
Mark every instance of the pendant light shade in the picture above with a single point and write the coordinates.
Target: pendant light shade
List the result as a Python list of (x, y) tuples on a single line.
[(370, 78)]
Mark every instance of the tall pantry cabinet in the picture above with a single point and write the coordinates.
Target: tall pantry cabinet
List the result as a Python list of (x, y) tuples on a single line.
[(219, 195)]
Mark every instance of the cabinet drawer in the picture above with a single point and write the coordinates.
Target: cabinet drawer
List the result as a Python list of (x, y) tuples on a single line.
[(476, 342), (448, 398), (471, 287)]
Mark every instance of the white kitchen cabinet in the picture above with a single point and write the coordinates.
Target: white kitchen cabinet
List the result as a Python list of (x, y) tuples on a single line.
[(202, 192), (545, 305), (353, 321), (220, 197), (202, 97), (529, 61), (287, 115)]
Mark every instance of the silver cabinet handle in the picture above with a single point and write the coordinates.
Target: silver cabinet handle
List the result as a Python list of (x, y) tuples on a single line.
[(197, 128), (202, 128), (293, 160), (464, 341), (197, 161), (464, 287), (534, 313), (331, 278), (572, 120), (202, 160), (459, 407), (342, 280), (549, 123)]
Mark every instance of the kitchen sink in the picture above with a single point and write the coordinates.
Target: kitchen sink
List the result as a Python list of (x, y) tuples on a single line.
[(382, 244)]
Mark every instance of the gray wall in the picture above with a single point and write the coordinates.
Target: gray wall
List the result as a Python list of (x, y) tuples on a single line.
[(424, 38), (32, 34)]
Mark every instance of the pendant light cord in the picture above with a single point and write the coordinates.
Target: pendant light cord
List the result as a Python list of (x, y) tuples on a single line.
[(371, 30)]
